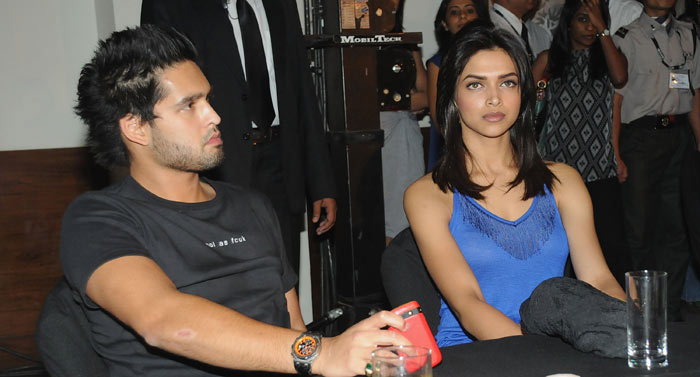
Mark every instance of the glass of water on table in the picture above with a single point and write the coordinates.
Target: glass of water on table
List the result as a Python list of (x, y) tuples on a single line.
[(647, 344), (400, 361)]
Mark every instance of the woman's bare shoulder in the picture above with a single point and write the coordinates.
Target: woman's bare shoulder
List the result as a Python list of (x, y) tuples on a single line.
[(424, 192), (563, 173), (568, 184)]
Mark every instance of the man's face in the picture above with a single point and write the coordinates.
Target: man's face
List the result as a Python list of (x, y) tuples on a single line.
[(656, 8), (184, 132), (519, 7)]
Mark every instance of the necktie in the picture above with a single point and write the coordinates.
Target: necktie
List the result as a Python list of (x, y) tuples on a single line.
[(526, 41), (261, 109)]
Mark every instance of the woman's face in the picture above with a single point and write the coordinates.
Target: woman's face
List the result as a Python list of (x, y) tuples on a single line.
[(487, 95), (458, 14), (583, 34)]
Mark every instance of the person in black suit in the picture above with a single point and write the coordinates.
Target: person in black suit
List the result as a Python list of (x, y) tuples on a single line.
[(273, 140)]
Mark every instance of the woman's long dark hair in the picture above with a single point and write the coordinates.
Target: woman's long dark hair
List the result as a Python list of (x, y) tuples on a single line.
[(561, 52), (444, 38), (450, 172)]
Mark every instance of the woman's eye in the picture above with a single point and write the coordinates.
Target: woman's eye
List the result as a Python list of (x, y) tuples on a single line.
[(454, 13), (583, 19), (474, 85), (510, 83)]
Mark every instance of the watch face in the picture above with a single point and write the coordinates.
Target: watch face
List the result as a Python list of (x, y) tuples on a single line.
[(305, 346)]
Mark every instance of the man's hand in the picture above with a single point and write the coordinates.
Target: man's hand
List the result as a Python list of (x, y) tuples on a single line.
[(348, 353), (327, 223)]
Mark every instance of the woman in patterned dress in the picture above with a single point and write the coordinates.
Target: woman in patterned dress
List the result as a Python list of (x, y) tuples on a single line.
[(493, 220), (583, 67)]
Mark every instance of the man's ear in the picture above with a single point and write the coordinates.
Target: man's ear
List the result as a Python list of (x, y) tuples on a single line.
[(135, 130)]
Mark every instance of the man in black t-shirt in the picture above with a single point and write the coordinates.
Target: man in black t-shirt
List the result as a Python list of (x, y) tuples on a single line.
[(180, 275)]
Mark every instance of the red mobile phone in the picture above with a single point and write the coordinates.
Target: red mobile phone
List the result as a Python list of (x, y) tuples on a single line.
[(417, 330)]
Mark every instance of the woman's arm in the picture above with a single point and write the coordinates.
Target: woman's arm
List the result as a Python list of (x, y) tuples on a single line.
[(419, 95), (616, 125), (433, 72), (614, 59), (576, 211), (429, 211), (540, 65)]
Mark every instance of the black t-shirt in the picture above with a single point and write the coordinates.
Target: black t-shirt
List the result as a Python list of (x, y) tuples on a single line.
[(227, 250)]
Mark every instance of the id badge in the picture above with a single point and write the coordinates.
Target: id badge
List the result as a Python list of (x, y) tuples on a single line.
[(679, 79)]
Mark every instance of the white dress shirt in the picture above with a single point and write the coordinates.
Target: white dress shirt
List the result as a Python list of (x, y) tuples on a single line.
[(540, 38), (261, 16)]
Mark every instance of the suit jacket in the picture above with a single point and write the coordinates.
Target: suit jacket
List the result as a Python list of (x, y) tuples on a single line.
[(540, 38), (304, 151)]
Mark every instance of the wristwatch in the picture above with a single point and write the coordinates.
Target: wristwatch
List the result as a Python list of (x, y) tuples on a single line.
[(604, 33), (304, 350)]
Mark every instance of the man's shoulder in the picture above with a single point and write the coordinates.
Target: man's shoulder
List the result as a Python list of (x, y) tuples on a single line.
[(498, 20), (96, 198), (685, 27), (629, 36), (239, 193)]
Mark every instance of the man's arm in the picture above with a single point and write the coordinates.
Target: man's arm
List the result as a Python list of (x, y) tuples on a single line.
[(295, 318), (319, 179), (694, 118), (137, 292)]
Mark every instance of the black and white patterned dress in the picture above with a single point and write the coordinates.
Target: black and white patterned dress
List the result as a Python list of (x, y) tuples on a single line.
[(578, 128)]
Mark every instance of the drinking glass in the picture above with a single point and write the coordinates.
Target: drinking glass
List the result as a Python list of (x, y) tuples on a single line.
[(646, 319), (401, 361)]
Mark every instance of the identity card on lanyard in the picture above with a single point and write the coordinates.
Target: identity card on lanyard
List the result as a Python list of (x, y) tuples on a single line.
[(679, 79)]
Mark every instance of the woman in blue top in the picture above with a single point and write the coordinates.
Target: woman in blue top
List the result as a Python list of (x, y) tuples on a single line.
[(493, 220), (451, 17)]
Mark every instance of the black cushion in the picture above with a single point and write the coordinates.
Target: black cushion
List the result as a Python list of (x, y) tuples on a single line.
[(63, 337), (406, 279)]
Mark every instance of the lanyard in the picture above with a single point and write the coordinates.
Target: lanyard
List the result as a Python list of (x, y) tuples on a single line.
[(509, 24), (663, 57), (522, 25)]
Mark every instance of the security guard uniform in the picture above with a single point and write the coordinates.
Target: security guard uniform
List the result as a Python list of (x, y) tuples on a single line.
[(663, 72)]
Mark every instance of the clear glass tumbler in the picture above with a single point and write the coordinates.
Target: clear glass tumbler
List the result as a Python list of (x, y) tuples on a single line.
[(647, 346), (401, 361)]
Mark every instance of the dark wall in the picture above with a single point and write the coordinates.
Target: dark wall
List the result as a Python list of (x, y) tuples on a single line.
[(36, 186)]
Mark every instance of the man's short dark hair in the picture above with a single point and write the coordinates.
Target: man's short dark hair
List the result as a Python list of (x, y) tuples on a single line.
[(123, 78)]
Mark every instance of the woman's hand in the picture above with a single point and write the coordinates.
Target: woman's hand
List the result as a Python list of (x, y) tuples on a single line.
[(592, 7), (621, 170)]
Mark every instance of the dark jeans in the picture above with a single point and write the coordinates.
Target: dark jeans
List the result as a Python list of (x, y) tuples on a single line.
[(269, 178), (652, 203), (608, 216)]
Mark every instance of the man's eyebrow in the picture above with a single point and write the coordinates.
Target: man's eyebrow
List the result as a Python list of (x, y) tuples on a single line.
[(470, 76), (191, 98)]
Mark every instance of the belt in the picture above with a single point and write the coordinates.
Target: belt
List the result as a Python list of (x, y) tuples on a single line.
[(659, 122), (257, 136)]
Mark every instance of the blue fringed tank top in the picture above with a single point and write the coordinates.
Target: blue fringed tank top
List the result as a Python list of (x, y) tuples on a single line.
[(508, 258)]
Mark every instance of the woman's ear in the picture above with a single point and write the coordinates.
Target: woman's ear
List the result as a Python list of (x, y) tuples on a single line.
[(444, 25), (134, 129)]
